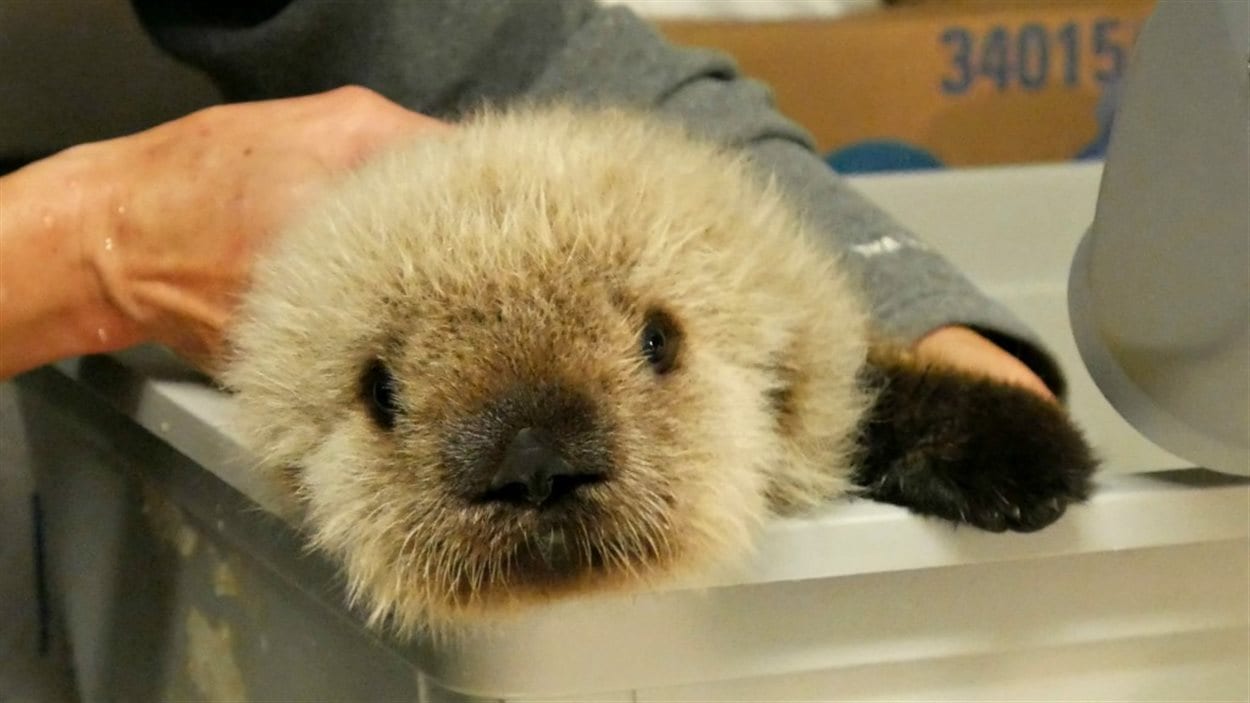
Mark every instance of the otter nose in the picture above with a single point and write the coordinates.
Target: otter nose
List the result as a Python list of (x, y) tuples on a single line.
[(533, 471)]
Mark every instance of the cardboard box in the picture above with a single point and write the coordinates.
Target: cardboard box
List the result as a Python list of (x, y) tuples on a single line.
[(941, 83)]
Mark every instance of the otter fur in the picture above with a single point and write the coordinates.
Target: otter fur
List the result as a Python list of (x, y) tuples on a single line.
[(559, 350)]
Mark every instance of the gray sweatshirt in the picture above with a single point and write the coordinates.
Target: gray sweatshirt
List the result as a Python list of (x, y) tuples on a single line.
[(444, 57)]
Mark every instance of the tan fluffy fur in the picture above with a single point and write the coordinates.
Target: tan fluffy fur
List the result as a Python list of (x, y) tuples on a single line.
[(525, 247)]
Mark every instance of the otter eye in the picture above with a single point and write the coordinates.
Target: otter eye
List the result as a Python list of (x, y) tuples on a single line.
[(377, 390), (660, 341)]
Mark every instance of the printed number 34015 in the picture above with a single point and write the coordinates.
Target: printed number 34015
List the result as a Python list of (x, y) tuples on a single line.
[(1034, 56)]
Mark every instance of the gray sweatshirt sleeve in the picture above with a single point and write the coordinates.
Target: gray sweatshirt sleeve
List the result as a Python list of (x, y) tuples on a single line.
[(443, 57)]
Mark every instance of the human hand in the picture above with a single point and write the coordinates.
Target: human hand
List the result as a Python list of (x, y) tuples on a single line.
[(178, 212), (962, 348)]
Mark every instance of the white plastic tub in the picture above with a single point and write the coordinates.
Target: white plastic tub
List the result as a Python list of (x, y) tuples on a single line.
[(174, 582)]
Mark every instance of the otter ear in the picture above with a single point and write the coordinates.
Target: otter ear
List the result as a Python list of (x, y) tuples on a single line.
[(945, 443)]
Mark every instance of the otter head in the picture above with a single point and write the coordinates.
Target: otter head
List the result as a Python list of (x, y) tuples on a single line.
[(549, 353)]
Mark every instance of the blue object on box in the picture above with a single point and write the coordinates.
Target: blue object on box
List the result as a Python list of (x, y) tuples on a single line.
[(1105, 112), (881, 155)]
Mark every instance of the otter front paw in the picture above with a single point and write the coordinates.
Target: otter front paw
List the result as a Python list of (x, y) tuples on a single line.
[(943, 443)]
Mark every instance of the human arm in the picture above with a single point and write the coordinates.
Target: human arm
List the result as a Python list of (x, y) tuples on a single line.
[(51, 304), (150, 237)]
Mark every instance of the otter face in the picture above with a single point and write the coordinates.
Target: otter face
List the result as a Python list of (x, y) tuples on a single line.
[(546, 355), (543, 434)]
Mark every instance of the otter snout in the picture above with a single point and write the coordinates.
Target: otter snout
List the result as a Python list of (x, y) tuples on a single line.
[(534, 471), (529, 446)]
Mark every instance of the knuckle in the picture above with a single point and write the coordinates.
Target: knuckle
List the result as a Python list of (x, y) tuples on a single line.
[(356, 95)]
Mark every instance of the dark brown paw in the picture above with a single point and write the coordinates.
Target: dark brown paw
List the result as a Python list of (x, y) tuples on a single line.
[(972, 451)]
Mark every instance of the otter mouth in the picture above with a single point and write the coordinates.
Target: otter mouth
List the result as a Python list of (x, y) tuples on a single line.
[(562, 537), (589, 534), (554, 556), (551, 552), (576, 542)]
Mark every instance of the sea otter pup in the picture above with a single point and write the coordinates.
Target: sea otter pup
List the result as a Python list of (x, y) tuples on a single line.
[(559, 350)]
